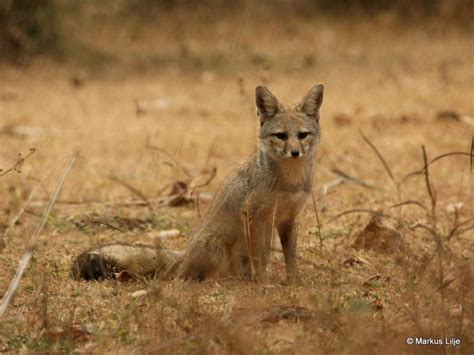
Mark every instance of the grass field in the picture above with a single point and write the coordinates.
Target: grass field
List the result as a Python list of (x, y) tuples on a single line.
[(188, 91)]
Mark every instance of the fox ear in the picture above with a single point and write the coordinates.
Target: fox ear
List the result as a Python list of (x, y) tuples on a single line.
[(267, 104), (313, 100)]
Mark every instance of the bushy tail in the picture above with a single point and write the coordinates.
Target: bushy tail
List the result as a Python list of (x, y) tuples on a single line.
[(107, 261)]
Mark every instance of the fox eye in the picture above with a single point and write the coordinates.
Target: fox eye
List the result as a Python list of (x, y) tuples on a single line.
[(303, 135), (281, 135)]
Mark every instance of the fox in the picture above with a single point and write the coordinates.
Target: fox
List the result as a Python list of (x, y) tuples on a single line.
[(261, 198)]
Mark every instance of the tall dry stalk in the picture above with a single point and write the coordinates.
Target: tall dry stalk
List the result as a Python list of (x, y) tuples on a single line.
[(26, 258)]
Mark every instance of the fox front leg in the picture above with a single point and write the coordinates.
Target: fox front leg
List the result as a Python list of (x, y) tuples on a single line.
[(256, 235), (287, 232)]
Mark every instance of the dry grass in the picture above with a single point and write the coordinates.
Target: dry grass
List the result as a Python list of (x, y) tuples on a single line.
[(190, 93)]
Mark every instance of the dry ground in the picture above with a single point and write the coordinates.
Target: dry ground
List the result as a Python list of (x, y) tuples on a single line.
[(193, 85)]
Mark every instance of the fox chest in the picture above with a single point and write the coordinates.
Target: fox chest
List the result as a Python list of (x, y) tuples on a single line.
[(289, 205)]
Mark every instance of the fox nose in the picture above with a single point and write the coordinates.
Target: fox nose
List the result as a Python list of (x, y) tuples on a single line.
[(295, 153)]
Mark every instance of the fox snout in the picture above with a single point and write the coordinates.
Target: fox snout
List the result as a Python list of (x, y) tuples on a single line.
[(295, 153)]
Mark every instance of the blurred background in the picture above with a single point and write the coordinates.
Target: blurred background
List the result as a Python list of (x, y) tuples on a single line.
[(94, 33), (105, 77)]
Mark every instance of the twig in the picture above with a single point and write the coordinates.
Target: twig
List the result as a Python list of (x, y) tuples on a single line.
[(20, 161), (409, 202), (353, 180), (431, 193), (389, 172), (26, 258), (212, 175), (107, 225), (439, 157), (356, 210), (343, 178), (211, 150), (337, 181), (381, 158), (318, 222), (436, 236), (133, 189), (424, 226), (185, 170), (161, 201), (457, 231), (23, 207), (472, 153)]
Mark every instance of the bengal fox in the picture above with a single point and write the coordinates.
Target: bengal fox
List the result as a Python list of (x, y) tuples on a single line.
[(264, 195)]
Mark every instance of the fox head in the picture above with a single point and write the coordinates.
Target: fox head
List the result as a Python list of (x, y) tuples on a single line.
[(289, 133)]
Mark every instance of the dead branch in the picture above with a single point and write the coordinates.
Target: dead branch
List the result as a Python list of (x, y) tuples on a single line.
[(161, 201), (472, 153), (325, 188), (343, 178), (439, 157), (318, 223), (211, 177), (409, 202), (353, 180), (19, 163), (430, 189), (17, 216), (185, 170), (381, 158), (423, 226), (133, 189), (357, 210), (107, 225), (26, 258)]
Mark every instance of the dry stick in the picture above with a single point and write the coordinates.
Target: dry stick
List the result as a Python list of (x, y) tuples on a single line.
[(133, 189), (437, 237), (107, 225), (185, 170), (26, 258), (356, 210), (212, 175), (472, 153), (18, 163), (439, 157), (389, 171), (458, 232), (162, 201), (23, 207), (211, 150), (409, 202), (343, 178), (424, 226), (381, 158), (187, 194), (431, 193), (318, 222), (353, 180)]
